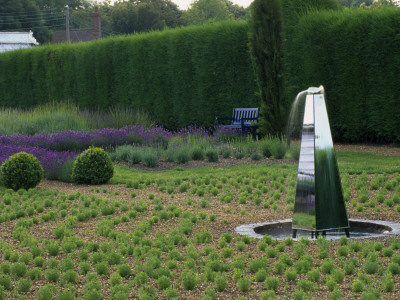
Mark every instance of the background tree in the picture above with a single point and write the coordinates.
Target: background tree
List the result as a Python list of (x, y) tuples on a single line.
[(265, 41), (169, 12), (61, 4), (80, 13), (140, 16), (124, 17), (202, 11), (238, 12), (129, 17), (81, 17)]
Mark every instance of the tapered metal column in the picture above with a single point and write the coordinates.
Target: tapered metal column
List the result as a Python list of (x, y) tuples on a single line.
[(319, 203)]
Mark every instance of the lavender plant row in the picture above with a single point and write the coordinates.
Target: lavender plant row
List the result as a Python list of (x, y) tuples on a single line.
[(108, 138), (78, 141), (51, 161)]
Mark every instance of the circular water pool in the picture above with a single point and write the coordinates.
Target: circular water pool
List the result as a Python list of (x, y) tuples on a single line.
[(359, 228)]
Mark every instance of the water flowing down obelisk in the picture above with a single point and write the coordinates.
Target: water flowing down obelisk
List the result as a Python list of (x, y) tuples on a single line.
[(319, 204)]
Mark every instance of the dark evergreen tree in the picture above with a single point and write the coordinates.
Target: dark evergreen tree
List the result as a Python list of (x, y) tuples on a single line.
[(265, 41)]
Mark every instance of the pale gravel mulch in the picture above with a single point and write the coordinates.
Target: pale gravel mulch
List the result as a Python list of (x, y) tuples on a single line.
[(225, 222), (386, 150)]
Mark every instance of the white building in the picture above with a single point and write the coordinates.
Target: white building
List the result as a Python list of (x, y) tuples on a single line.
[(16, 40)]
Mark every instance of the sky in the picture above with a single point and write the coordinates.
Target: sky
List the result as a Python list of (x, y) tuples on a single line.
[(184, 4)]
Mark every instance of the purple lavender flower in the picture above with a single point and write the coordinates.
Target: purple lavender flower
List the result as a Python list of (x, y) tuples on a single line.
[(107, 138), (193, 130), (51, 161)]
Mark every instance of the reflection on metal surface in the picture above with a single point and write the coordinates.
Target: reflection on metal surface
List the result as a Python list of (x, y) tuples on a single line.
[(319, 203), (304, 209), (330, 207)]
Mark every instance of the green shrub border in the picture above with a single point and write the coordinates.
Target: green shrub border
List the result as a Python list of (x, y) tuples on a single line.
[(180, 77)]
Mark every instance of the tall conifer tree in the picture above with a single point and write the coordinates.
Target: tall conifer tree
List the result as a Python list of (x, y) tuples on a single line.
[(265, 41)]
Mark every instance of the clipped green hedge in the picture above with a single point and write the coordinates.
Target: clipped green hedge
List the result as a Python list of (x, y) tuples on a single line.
[(292, 12), (193, 74), (184, 76), (355, 55)]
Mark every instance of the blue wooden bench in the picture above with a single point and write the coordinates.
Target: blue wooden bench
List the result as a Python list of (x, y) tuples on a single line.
[(243, 119)]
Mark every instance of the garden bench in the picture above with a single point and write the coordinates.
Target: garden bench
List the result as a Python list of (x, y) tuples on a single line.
[(243, 118)]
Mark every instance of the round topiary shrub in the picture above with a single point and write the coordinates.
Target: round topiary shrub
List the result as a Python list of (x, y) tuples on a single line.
[(21, 170), (93, 166)]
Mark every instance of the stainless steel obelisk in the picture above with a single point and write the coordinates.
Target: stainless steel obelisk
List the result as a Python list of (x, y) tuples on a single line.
[(319, 204)]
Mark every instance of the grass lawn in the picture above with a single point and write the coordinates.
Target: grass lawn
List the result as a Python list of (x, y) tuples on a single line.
[(170, 235)]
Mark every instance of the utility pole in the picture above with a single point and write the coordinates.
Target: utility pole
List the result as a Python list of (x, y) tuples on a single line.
[(67, 25)]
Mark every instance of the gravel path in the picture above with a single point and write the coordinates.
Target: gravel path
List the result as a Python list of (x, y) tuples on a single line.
[(375, 149)]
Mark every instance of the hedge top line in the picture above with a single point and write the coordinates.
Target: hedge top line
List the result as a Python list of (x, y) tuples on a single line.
[(168, 33)]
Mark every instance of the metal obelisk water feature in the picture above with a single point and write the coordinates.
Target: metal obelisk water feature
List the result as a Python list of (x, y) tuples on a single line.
[(319, 204)]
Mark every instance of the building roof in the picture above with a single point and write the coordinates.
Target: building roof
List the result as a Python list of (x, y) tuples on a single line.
[(16, 40), (80, 35)]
